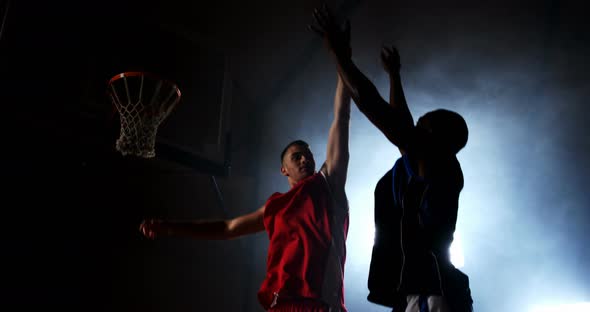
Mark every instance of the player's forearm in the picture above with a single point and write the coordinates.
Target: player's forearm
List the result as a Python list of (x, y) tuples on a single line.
[(397, 98), (337, 154), (361, 89), (206, 230), (342, 103), (339, 131), (390, 121)]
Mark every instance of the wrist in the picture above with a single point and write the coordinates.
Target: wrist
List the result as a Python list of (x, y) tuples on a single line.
[(340, 50), (341, 55), (393, 74)]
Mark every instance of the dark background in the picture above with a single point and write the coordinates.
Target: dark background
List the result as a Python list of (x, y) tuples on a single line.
[(516, 70)]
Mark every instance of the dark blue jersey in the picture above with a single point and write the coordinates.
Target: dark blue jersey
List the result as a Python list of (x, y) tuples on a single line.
[(414, 224)]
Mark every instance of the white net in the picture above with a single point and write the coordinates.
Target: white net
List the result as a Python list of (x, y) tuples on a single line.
[(143, 101)]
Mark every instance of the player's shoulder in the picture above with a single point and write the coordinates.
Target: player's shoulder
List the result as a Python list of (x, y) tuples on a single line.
[(334, 183)]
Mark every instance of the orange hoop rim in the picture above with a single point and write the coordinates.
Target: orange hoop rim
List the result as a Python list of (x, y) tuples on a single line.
[(147, 74)]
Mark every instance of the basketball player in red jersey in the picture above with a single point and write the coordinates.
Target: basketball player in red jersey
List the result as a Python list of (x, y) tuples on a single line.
[(307, 226)]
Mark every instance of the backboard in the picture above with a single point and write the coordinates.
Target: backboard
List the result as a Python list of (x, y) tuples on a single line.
[(196, 132)]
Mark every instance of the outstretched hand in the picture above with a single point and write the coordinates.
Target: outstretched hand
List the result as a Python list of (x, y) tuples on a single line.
[(390, 59), (336, 37), (152, 228)]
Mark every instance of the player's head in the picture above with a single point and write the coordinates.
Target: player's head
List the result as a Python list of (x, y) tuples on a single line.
[(442, 131), (297, 161)]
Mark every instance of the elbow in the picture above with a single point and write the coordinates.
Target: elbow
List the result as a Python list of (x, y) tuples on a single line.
[(346, 158)]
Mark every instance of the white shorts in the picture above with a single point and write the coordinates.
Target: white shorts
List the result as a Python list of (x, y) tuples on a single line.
[(427, 304)]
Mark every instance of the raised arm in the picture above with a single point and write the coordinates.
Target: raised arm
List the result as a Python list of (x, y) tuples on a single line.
[(397, 100), (389, 119), (206, 229), (337, 155)]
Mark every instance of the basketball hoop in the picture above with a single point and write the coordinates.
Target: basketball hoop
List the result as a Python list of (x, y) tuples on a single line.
[(143, 100)]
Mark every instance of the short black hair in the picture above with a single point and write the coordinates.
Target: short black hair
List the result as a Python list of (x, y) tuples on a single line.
[(296, 142), (449, 128)]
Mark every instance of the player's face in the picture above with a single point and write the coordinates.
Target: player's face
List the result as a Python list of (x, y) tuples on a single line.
[(298, 163)]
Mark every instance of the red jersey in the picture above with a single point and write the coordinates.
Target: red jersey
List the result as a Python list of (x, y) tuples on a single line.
[(307, 229)]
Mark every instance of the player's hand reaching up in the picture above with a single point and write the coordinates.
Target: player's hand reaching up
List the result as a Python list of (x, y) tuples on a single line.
[(336, 37), (390, 60)]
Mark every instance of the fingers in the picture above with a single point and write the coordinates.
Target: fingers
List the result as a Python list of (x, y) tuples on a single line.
[(325, 12), (385, 50), (390, 59), (394, 52), (390, 53), (316, 30), (336, 37), (384, 53), (324, 18), (386, 57), (391, 49), (385, 60), (320, 18), (146, 228), (142, 227), (320, 21)]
